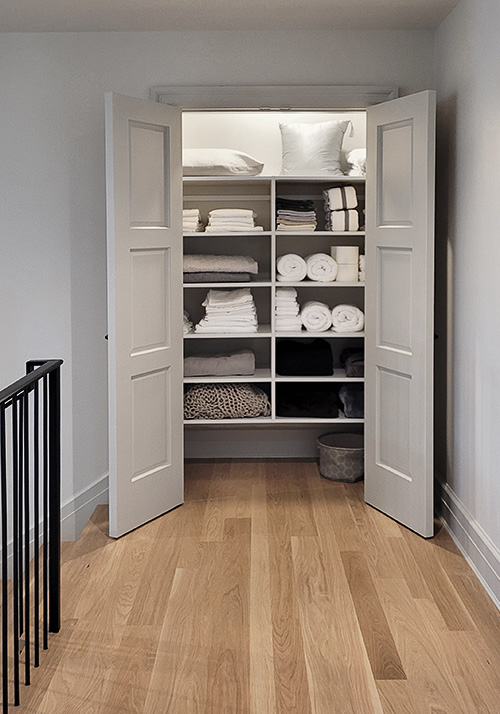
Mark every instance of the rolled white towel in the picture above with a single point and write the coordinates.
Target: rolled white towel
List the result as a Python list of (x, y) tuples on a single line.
[(321, 267), (316, 316), (347, 318), (347, 273), (340, 198), (291, 267)]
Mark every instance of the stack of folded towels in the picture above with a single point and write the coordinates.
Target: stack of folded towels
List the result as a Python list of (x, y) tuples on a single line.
[(347, 258), (191, 220), (220, 365), (232, 220), (287, 310), (187, 326), (318, 267), (228, 311), (362, 274), (340, 209), (219, 268), (295, 215), (347, 318)]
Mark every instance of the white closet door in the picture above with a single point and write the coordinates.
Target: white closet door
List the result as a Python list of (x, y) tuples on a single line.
[(144, 208), (399, 469)]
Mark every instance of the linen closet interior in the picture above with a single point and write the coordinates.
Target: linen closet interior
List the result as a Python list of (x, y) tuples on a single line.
[(273, 259)]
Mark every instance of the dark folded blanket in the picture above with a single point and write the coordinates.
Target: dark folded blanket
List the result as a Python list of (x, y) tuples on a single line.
[(303, 359), (307, 401), (216, 277), (353, 360), (352, 397)]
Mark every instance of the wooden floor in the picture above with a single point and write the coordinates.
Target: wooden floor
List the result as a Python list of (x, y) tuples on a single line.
[(270, 591)]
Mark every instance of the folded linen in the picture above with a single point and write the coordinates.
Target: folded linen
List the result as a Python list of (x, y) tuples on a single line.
[(345, 254), (342, 220), (244, 328), (304, 358), (288, 324), (347, 273), (291, 267), (187, 325), (220, 365), (316, 316), (301, 229), (340, 198), (220, 263), (347, 318), (239, 296), (287, 292), (321, 267), (214, 277), (352, 397), (233, 228), (362, 262), (353, 361)]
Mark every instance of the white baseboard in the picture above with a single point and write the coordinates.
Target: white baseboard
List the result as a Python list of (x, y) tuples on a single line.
[(76, 511), (475, 545)]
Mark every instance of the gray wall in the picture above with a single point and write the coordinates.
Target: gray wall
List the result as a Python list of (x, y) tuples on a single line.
[(52, 211), (468, 397)]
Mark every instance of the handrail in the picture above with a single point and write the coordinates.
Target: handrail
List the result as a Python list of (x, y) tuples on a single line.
[(30, 498)]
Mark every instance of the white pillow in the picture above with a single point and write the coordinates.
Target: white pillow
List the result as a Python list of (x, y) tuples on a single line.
[(357, 162), (312, 149), (219, 162)]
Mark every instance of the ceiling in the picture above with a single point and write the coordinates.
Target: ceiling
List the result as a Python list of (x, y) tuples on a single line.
[(126, 15)]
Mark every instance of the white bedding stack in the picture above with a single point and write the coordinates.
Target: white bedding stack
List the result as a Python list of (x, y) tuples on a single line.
[(287, 310), (191, 220), (347, 258), (232, 220), (228, 311), (362, 274)]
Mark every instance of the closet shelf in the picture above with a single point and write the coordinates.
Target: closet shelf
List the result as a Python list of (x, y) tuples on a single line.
[(326, 333), (319, 284), (262, 331), (262, 374), (313, 420), (331, 234), (226, 286), (227, 234), (338, 376), (230, 422)]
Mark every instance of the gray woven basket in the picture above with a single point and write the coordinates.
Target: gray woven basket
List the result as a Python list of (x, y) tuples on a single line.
[(341, 457)]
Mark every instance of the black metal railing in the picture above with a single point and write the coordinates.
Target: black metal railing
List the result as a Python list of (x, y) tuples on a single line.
[(30, 532)]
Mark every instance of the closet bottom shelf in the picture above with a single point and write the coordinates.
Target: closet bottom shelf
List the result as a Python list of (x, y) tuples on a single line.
[(266, 421)]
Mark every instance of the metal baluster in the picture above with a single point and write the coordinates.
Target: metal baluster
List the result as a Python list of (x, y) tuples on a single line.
[(21, 514), (36, 519), (5, 603), (27, 598), (15, 531), (45, 507), (55, 501)]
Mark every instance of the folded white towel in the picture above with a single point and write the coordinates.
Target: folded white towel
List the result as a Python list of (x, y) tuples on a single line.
[(291, 267), (301, 229), (233, 228), (286, 292), (345, 254), (362, 262), (321, 267), (316, 316), (340, 198), (347, 273), (220, 264), (224, 329), (187, 326), (347, 318), (288, 324), (361, 276), (237, 296), (342, 221)]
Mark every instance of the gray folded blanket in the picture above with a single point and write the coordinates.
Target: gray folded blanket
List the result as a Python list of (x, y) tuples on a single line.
[(242, 362), (213, 277), (352, 397), (220, 263)]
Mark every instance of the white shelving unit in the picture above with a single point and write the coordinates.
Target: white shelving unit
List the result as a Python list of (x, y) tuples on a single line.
[(259, 193)]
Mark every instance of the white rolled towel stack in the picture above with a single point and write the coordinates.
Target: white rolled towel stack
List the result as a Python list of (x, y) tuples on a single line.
[(347, 257), (291, 268), (321, 267), (362, 274), (316, 316), (347, 318), (191, 220), (287, 310)]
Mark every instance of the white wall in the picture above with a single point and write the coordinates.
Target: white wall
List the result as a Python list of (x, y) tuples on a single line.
[(468, 67), (52, 192)]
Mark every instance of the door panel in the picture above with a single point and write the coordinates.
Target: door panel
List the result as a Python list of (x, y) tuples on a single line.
[(399, 469), (144, 206)]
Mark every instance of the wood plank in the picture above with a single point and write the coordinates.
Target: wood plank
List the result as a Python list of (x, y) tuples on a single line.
[(378, 639)]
